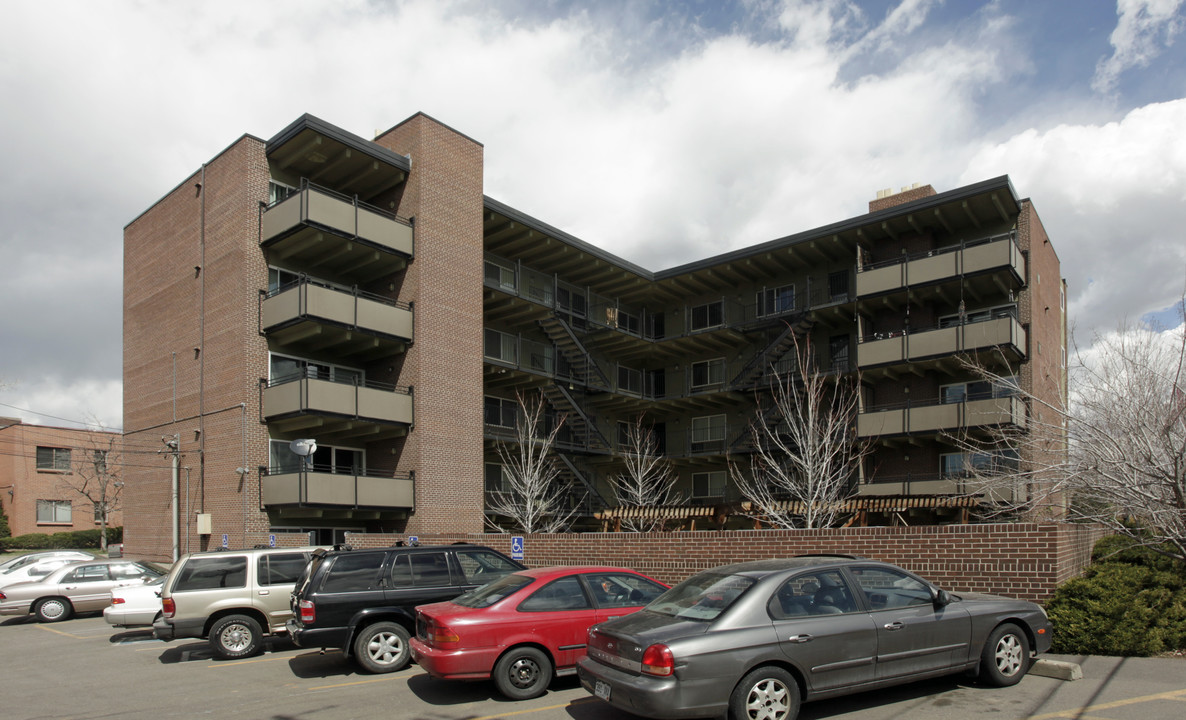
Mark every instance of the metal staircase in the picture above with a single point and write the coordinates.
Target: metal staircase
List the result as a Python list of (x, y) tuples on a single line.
[(579, 423), (584, 368), (761, 362)]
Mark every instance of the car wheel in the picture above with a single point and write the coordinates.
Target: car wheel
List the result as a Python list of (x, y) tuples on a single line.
[(767, 693), (1005, 658), (53, 609), (383, 647), (236, 636), (523, 673)]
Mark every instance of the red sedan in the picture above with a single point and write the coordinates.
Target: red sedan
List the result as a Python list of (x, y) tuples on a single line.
[(525, 627)]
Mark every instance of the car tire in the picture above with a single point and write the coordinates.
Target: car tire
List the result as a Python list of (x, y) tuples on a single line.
[(1005, 658), (766, 693), (523, 673), (383, 647), (53, 609), (236, 636)]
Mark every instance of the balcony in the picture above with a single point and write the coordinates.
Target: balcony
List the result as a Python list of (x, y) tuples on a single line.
[(336, 411), (304, 488), (950, 416), (334, 235), (1001, 332), (307, 316), (986, 254)]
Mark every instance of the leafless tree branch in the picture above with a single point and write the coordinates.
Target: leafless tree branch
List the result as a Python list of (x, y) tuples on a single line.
[(649, 479)]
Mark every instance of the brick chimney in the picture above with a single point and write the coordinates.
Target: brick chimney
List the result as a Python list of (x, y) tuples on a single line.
[(888, 198)]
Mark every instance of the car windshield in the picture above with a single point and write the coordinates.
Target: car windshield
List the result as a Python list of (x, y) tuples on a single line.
[(701, 597), (492, 592)]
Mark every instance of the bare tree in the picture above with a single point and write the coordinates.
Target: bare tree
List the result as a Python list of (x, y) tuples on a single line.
[(533, 498), (806, 451), (96, 476), (649, 479), (1112, 454)]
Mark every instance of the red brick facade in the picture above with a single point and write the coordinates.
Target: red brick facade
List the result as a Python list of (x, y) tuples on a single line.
[(1024, 560)]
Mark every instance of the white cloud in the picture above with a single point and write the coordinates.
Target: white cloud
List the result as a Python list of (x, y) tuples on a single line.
[(1144, 28), (65, 402)]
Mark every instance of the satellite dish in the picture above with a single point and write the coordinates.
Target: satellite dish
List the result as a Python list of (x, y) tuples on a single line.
[(304, 448)]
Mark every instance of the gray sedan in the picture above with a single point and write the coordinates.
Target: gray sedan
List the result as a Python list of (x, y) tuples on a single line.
[(79, 587), (756, 639)]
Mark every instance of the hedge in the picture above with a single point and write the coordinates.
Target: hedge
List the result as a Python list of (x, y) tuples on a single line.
[(72, 539)]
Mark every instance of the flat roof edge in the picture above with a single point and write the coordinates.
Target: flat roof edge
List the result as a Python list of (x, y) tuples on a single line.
[(347, 138)]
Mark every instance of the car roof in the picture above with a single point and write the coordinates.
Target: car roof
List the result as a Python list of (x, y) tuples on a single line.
[(554, 571), (762, 568)]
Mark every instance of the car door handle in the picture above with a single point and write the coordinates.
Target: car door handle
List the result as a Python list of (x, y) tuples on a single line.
[(265, 592), (800, 638), (895, 625)]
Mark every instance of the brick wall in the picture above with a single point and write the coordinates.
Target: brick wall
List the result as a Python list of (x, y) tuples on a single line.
[(1023, 560)]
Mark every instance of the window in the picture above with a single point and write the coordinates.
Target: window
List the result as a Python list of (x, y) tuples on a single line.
[(816, 593), (482, 566), (278, 278), (280, 568), (211, 573), (978, 390), (134, 570), (563, 594), (87, 574), (278, 191), (980, 315), (709, 315), (838, 285), (284, 369), (500, 276), (708, 433), (420, 570), (838, 352), (619, 590), (775, 301), (708, 372), (353, 572), (500, 346), (956, 465), (496, 479), (500, 412), (54, 511), (708, 484), (52, 458), (326, 458), (629, 380), (886, 589), (99, 515)]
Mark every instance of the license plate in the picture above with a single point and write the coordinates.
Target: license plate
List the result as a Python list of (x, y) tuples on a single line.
[(601, 689)]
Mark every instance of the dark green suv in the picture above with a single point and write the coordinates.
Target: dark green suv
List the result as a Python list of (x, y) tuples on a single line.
[(363, 601)]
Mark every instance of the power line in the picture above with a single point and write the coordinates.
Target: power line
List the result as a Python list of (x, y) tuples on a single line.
[(55, 417)]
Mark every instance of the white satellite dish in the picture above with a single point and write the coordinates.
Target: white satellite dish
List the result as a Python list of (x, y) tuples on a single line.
[(304, 448)]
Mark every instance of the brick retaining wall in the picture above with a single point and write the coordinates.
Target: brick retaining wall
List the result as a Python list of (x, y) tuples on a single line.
[(1022, 560)]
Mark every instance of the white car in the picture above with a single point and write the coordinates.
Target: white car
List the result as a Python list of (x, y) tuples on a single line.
[(17, 561), (39, 569), (136, 605)]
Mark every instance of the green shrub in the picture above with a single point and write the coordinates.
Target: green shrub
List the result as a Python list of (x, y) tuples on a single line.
[(1131, 602), (75, 539)]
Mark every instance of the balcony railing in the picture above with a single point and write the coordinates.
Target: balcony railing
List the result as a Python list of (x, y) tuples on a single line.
[(310, 300), (320, 487), (297, 395), (916, 418), (317, 208), (929, 266), (919, 343)]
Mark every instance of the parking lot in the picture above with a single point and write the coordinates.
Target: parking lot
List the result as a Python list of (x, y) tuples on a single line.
[(84, 668)]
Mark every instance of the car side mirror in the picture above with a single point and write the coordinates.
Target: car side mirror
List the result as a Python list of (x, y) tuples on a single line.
[(940, 597)]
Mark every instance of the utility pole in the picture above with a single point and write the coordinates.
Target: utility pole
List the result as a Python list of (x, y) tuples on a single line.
[(173, 445)]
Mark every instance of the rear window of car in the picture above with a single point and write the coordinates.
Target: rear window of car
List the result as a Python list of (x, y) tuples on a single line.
[(280, 568), (492, 592), (212, 573), (701, 597), (482, 566)]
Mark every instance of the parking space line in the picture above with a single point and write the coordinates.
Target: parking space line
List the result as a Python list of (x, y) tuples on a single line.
[(237, 663), (1078, 713), (61, 632)]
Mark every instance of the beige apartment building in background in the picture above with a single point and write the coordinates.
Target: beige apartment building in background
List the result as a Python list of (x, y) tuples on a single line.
[(42, 470), (367, 295)]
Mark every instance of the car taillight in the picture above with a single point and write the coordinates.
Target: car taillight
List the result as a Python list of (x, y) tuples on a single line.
[(117, 600), (440, 634), (3, 596), (168, 607), (308, 612), (657, 660)]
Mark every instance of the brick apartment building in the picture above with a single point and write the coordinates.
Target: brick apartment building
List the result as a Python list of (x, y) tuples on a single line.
[(42, 469), (367, 295)]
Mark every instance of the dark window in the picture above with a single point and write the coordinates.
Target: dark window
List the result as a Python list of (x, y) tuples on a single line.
[(500, 412), (87, 574), (838, 351), (52, 458), (817, 593), (280, 568), (429, 569), (492, 592), (838, 285), (209, 573), (774, 301), (482, 566), (887, 589), (619, 590), (709, 315), (353, 572), (563, 594)]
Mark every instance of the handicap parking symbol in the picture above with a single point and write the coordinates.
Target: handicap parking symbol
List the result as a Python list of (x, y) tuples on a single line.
[(517, 547)]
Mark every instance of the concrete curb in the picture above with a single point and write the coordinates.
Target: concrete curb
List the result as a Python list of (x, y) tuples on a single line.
[(1057, 669)]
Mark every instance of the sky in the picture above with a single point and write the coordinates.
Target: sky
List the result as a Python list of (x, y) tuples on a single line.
[(705, 126)]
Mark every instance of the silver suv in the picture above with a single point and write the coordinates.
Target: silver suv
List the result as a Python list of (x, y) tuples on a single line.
[(232, 597)]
